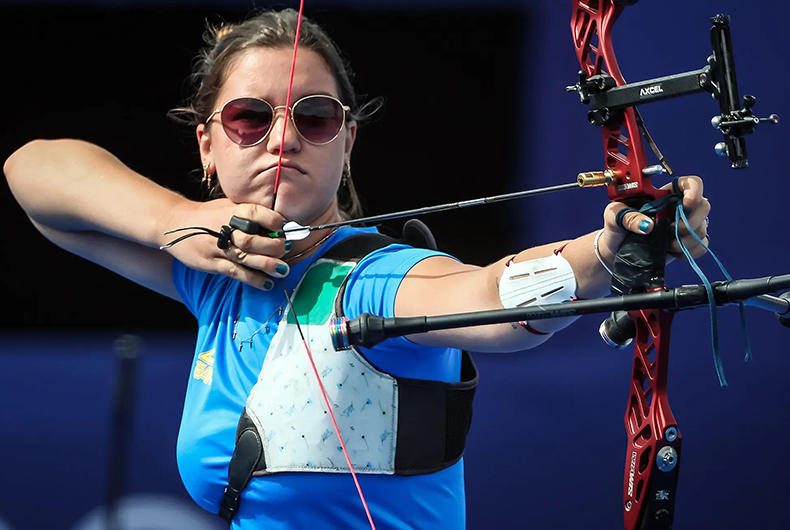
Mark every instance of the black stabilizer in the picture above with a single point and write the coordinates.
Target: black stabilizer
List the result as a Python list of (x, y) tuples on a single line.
[(618, 330), (640, 262), (785, 318), (366, 330), (738, 290)]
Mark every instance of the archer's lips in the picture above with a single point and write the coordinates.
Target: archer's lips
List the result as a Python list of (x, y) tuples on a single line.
[(287, 165)]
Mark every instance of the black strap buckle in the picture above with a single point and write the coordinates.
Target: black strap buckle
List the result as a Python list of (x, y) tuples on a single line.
[(229, 505)]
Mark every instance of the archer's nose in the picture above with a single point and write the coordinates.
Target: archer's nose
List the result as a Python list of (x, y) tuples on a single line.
[(276, 142)]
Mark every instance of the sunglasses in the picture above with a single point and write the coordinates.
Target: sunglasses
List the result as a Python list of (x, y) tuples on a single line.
[(247, 121)]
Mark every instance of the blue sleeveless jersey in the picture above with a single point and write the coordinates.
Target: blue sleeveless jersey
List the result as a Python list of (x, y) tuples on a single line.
[(236, 324)]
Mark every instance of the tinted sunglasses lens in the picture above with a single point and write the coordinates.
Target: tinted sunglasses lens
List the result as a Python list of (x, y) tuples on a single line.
[(318, 119), (246, 120)]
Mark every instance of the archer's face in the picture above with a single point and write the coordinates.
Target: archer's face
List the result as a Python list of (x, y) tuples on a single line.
[(310, 173)]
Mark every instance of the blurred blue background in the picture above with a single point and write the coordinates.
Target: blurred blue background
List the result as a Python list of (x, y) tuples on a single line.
[(547, 445)]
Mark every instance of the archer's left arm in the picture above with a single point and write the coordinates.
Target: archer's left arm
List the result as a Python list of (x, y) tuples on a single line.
[(441, 285)]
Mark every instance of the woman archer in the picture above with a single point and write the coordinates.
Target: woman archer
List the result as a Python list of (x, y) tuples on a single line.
[(251, 298)]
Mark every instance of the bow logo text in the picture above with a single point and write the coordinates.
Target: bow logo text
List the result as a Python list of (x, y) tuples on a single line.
[(651, 91), (631, 475), (628, 186)]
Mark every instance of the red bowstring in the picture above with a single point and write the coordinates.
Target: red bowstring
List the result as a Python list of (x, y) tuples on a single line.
[(287, 104), (293, 312), (329, 408)]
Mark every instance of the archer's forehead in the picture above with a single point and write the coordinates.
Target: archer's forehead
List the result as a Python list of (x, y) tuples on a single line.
[(265, 72)]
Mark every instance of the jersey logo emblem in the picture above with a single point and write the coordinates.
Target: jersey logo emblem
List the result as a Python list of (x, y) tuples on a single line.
[(204, 368)]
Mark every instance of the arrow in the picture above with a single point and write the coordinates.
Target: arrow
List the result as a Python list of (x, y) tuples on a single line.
[(293, 231)]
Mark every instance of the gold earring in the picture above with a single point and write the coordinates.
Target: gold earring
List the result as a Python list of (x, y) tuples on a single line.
[(346, 176), (206, 177)]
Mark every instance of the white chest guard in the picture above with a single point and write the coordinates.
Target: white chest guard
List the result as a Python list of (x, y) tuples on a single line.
[(286, 404)]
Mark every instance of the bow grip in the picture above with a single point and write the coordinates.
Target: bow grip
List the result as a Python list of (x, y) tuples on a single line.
[(640, 263)]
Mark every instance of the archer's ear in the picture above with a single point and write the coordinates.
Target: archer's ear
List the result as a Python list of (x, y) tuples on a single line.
[(351, 135), (204, 144)]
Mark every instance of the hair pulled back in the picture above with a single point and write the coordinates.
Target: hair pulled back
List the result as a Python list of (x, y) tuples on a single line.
[(271, 29)]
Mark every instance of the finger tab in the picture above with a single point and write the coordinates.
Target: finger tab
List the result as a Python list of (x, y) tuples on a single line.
[(245, 225)]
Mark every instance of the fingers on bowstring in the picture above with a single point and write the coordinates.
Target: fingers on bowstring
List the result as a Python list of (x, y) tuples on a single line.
[(629, 219), (255, 250), (269, 220), (257, 244), (255, 259)]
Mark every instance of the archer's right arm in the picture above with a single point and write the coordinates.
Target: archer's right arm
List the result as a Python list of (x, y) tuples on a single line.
[(85, 200)]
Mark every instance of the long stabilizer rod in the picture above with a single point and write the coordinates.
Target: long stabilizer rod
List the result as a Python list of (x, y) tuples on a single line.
[(368, 330)]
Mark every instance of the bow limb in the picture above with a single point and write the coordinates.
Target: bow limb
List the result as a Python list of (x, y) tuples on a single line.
[(654, 441)]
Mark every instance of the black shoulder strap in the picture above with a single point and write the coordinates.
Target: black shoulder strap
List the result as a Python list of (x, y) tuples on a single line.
[(415, 233), (358, 246)]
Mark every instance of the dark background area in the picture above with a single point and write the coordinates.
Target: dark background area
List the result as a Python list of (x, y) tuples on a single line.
[(109, 76), (475, 106)]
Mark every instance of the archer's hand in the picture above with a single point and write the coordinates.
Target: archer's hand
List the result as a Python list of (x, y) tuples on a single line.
[(697, 209), (251, 259)]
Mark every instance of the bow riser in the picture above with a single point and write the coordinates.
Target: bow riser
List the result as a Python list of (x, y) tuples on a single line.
[(650, 483), (649, 491)]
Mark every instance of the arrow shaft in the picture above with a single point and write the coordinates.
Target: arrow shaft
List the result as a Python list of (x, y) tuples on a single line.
[(437, 208)]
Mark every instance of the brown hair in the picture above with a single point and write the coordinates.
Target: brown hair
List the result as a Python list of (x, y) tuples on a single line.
[(271, 29)]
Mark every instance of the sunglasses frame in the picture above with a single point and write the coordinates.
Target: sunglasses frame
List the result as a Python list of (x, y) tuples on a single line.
[(346, 110)]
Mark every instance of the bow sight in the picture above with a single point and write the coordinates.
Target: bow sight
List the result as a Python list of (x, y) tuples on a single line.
[(607, 100)]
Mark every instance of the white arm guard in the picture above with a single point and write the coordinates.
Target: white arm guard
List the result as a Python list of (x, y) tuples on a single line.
[(539, 281)]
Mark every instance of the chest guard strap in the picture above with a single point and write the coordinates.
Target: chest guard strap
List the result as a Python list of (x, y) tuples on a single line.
[(433, 416)]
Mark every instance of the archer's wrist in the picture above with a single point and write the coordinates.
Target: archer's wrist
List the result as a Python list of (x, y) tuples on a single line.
[(178, 214), (605, 251)]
